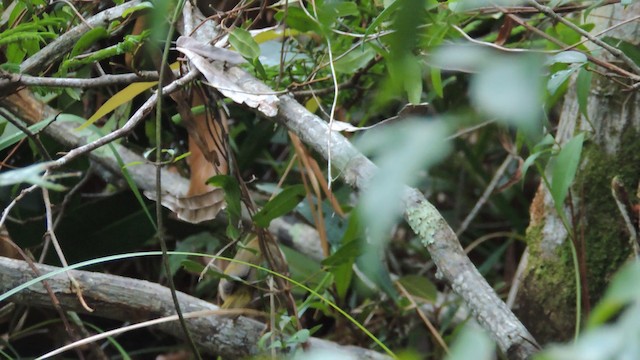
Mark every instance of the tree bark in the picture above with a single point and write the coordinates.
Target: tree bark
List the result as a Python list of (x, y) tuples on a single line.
[(547, 300)]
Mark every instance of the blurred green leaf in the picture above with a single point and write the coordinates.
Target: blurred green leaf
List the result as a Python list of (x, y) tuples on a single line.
[(629, 49), (281, 204), (405, 68), (622, 290), (617, 341), (194, 267), (328, 11), (32, 174), (9, 139), (401, 151), (142, 6), (565, 165), (297, 19), (498, 90), (354, 60), (89, 38), (345, 254), (583, 88), (419, 286), (559, 78), (436, 81), (472, 343), (201, 242), (244, 43), (302, 267), (382, 17)]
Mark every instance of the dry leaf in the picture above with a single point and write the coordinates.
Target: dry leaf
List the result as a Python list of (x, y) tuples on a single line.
[(216, 77)]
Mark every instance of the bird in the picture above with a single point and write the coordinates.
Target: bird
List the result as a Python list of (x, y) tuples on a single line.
[(239, 293)]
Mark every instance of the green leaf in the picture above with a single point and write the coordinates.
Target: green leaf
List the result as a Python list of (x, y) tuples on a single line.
[(436, 81), (627, 48), (342, 276), (354, 60), (341, 262), (419, 286), (583, 87), (297, 19), (568, 57), (244, 43), (13, 138), (259, 68), (382, 17), (557, 79), (299, 337), (31, 174), (564, 170), (142, 6), (281, 204), (346, 254), (89, 38), (330, 10), (191, 266)]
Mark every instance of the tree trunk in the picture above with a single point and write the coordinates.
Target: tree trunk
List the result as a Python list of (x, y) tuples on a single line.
[(547, 299)]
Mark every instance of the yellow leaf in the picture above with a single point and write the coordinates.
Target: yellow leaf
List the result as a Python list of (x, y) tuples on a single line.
[(265, 36), (312, 105), (122, 97)]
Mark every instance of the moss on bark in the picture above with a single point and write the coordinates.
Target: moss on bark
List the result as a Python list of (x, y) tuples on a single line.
[(547, 302)]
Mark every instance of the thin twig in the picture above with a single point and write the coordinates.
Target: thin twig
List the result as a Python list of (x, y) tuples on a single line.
[(612, 27), (41, 148), (531, 10), (424, 318), (485, 196), (128, 126), (54, 300), (7, 210), (594, 60), (50, 234), (148, 323), (7, 80), (614, 51)]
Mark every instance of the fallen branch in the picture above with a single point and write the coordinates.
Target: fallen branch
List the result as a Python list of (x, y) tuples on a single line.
[(126, 299)]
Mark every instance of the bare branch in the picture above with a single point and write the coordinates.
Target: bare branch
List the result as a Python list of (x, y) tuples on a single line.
[(126, 299), (10, 80)]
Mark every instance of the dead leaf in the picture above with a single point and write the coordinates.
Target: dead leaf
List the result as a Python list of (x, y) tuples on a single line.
[(214, 72)]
